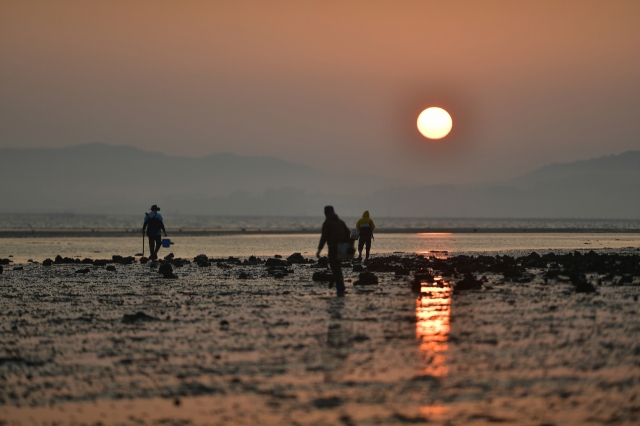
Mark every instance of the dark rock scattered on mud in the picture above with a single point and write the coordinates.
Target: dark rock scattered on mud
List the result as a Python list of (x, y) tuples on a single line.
[(5, 261), (581, 284), (322, 276), (47, 262), (167, 270), (275, 262), (469, 282), (137, 317), (296, 258), (366, 278), (83, 271), (111, 268), (18, 268), (202, 261)]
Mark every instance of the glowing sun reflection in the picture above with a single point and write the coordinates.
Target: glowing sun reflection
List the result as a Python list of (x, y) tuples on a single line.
[(433, 312)]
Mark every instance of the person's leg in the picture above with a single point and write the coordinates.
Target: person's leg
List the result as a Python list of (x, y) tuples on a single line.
[(360, 245), (158, 245), (152, 243), (336, 269), (368, 243)]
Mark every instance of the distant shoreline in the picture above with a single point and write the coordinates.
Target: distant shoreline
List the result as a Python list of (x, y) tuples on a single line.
[(100, 233)]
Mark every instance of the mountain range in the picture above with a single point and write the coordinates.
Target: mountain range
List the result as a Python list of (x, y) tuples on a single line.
[(99, 178)]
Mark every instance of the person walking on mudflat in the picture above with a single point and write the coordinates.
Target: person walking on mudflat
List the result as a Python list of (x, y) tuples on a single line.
[(366, 226), (154, 227), (334, 231)]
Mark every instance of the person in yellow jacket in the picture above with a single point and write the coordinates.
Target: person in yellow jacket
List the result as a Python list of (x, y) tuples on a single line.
[(366, 226)]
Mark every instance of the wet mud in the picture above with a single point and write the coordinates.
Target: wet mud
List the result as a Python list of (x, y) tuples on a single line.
[(549, 339)]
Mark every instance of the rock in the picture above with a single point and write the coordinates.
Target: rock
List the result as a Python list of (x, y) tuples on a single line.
[(139, 254), (169, 256), (18, 268), (402, 272), (358, 268), (424, 277), (581, 284), (137, 317), (167, 271), (322, 276), (416, 286), (275, 262), (243, 276), (202, 260), (83, 271), (111, 268), (469, 282), (366, 278), (296, 258), (5, 261), (47, 262), (1, 269), (122, 260), (330, 402), (277, 256), (144, 260), (323, 261)]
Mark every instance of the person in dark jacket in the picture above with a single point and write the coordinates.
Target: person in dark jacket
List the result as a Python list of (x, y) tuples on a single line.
[(334, 231), (154, 226)]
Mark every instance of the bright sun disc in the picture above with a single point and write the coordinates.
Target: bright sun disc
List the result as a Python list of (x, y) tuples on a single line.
[(434, 123)]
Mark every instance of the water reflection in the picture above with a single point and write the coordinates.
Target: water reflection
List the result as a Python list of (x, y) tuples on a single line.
[(433, 312)]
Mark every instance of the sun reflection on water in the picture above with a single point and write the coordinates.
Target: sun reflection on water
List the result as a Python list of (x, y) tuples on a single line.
[(433, 312)]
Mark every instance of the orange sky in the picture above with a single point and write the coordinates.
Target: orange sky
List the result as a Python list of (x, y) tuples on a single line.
[(334, 84)]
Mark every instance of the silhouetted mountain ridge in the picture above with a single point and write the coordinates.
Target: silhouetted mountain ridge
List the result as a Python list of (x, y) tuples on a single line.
[(97, 178)]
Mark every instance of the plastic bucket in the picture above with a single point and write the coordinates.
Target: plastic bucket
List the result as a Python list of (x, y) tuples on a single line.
[(166, 243)]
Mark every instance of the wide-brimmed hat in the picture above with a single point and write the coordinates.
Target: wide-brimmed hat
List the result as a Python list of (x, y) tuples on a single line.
[(155, 208)]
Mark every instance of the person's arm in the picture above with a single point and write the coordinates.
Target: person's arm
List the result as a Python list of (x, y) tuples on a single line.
[(323, 238), (373, 225), (163, 230), (144, 227)]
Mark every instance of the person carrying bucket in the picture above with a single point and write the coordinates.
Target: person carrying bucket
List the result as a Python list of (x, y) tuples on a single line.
[(154, 227), (365, 226)]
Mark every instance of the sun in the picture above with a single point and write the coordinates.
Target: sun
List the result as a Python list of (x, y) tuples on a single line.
[(434, 123)]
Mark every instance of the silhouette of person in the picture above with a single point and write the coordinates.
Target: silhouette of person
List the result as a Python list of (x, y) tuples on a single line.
[(366, 226), (154, 226), (334, 231)]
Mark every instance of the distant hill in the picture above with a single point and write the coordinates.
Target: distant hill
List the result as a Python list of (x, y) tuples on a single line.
[(97, 178), (120, 179), (604, 187)]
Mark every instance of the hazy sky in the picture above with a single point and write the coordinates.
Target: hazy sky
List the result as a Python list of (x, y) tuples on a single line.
[(333, 84)]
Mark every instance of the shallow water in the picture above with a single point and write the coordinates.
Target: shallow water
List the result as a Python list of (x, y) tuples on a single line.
[(38, 249)]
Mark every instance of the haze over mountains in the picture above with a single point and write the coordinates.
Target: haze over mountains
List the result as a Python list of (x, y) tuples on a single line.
[(98, 178)]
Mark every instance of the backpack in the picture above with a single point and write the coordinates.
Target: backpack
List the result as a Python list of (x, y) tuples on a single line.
[(153, 225)]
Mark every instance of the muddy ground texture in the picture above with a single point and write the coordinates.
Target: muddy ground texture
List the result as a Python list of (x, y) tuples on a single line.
[(546, 339)]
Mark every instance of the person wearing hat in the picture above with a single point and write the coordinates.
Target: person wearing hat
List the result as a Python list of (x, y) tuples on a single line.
[(154, 227), (334, 231)]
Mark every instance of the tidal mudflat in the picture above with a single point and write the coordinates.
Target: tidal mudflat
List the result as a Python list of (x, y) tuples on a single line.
[(535, 340)]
